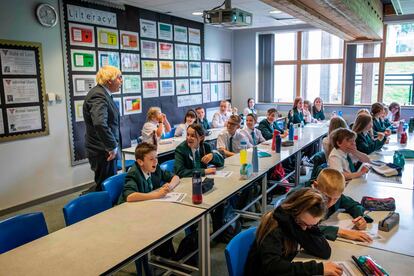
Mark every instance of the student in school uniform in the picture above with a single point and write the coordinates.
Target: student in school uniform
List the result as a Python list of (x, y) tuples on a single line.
[(268, 125), (201, 118), (307, 114), (335, 123), (220, 118), (189, 119), (317, 109), (365, 140), (344, 156), (282, 231), (250, 109), (296, 113), (232, 110), (384, 117), (377, 111), (253, 134), (394, 114), (331, 183), (195, 154), (229, 140), (157, 123)]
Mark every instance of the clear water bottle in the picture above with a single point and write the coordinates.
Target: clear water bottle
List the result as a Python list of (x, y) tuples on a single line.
[(197, 191), (243, 152)]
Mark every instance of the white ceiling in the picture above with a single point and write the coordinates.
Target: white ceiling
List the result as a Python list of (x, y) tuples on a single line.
[(185, 8)]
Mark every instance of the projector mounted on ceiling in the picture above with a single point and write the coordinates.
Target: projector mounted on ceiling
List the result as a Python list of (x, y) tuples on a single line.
[(228, 17)]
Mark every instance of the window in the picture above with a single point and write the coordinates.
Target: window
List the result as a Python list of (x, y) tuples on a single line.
[(398, 82), (284, 83), (366, 83), (321, 45), (285, 46), (400, 40)]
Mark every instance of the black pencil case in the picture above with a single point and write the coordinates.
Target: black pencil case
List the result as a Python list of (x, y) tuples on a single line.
[(389, 222), (207, 185)]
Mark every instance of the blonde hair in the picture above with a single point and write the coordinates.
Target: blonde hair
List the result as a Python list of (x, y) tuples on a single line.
[(335, 123), (363, 111), (152, 112), (331, 181), (107, 73)]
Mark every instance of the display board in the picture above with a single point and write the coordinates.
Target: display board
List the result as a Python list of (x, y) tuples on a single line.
[(160, 57), (23, 105)]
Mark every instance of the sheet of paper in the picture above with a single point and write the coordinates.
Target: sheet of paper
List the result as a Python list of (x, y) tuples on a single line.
[(222, 174), (349, 269), (172, 197)]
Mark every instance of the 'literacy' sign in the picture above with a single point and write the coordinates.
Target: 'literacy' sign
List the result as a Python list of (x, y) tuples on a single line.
[(91, 16)]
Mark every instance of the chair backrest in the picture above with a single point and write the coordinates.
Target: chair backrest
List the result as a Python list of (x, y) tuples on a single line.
[(86, 206), (237, 251), (21, 229), (169, 134), (114, 185), (168, 166)]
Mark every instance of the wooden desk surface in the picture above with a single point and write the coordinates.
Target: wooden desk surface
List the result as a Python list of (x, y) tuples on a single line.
[(97, 244), (394, 264)]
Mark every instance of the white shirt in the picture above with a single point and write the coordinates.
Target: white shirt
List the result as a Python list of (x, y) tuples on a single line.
[(223, 140), (147, 131), (181, 130), (220, 119), (338, 160), (325, 146), (247, 111), (257, 134)]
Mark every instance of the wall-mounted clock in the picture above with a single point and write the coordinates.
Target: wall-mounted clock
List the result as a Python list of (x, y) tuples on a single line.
[(47, 15)]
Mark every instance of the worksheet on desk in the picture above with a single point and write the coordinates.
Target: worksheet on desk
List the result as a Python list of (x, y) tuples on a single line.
[(349, 269), (222, 174)]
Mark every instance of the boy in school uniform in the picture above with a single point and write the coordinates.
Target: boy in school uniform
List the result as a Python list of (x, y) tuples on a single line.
[(145, 178), (201, 118), (268, 125), (220, 118), (229, 140), (253, 134)]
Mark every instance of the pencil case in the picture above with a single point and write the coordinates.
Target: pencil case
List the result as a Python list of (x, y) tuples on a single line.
[(378, 204), (370, 267), (207, 185), (389, 222)]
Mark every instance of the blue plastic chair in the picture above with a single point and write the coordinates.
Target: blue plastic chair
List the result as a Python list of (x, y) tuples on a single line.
[(86, 206), (237, 251), (114, 185), (169, 134), (128, 164), (168, 166), (21, 229)]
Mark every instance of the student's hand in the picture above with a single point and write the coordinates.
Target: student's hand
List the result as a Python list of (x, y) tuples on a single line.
[(210, 171), (364, 170), (163, 117), (331, 269), (286, 133), (207, 158), (380, 136), (163, 191), (111, 155), (387, 140), (354, 235), (387, 132), (359, 223)]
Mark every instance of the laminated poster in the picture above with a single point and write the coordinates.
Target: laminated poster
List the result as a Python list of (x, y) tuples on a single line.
[(227, 90), (220, 91), (181, 86), (131, 84), (165, 31), (1, 123), (83, 60), (108, 58), (150, 89), (167, 88), (181, 69), (195, 86), (165, 50), (107, 38), (166, 69), (132, 105), (213, 71), (81, 35), (180, 33), (181, 52), (149, 69), (227, 71), (220, 72), (195, 69), (194, 52), (130, 62), (20, 90), (214, 92), (148, 28), (188, 100), (18, 62), (206, 71), (129, 40), (148, 49), (22, 119), (206, 93), (194, 36), (78, 107), (82, 84)]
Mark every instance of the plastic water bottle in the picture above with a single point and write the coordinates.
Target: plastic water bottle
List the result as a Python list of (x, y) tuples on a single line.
[(291, 132), (400, 130), (243, 152), (340, 113), (197, 191), (296, 133), (255, 160), (275, 133)]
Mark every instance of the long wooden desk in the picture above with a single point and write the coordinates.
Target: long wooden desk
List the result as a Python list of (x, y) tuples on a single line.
[(102, 244)]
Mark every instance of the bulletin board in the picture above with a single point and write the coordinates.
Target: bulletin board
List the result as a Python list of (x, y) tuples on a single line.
[(160, 57), (23, 105)]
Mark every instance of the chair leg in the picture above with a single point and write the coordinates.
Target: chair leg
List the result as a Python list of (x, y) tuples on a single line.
[(142, 263)]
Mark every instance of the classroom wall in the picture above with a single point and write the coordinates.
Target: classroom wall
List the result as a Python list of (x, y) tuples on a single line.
[(38, 167)]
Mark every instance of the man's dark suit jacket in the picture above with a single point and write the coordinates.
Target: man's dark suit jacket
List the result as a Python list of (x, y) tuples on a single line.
[(102, 121)]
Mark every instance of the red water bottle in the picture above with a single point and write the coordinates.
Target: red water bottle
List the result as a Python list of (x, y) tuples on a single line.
[(403, 139), (275, 133), (197, 190)]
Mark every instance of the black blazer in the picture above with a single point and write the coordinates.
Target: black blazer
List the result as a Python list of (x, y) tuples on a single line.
[(102, 121)]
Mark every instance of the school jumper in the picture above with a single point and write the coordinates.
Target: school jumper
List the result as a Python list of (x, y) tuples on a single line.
[(368, 145), (267, 129), (297, 117)]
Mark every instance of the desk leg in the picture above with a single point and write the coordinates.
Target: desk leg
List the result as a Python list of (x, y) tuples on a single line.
[(264, 194), (123, 162), (204, 246), (297, 167)]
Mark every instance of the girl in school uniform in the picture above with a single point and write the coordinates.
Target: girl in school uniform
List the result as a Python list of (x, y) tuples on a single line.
[(250, 107), (317, 109), (394, 114), (365, 140), (377, 111), (195, 154), (335, 123), (189, 119), (157, 123), (253, 134), (307, 115), (292, 224), (296, 113)]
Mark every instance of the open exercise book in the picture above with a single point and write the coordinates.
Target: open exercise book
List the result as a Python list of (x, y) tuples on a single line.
[(172, 197)]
